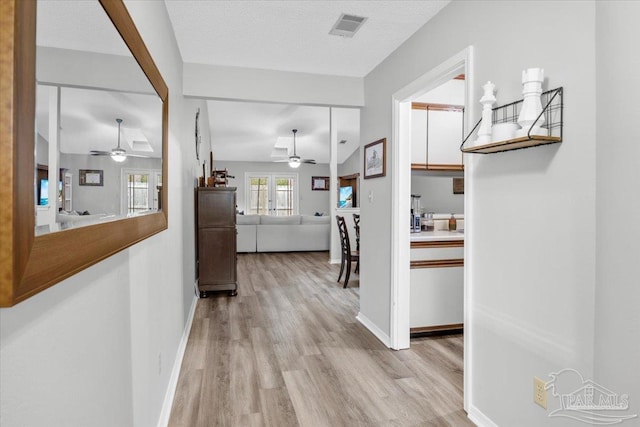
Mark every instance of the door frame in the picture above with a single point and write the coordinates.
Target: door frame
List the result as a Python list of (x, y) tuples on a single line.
[(153, 175), (399, 333), (271, 188)]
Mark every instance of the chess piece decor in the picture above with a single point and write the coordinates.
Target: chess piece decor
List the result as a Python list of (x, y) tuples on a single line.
[(487, 101), (532, 79)]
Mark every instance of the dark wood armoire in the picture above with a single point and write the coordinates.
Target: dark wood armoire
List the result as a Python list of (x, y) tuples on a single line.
[(216, 240)]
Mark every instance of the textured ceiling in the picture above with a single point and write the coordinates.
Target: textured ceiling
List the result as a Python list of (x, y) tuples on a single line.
[(289, 36), (88, 120), (77, 25), (244, 131), (281, 35), (293, 35), (87, 114)]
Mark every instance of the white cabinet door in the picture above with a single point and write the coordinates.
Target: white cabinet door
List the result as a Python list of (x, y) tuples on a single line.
[(437, 297), (444, 138), (418, 137)]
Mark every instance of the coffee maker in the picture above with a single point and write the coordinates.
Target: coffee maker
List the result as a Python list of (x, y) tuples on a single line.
[(416, 212)]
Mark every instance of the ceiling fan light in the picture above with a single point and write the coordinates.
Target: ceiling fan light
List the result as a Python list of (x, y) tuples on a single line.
[(118, 155), (294, 162)]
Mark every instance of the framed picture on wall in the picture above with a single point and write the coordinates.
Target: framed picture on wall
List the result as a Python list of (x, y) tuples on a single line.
[(91, 177), (320, 183), (458, 185), (374, 159)]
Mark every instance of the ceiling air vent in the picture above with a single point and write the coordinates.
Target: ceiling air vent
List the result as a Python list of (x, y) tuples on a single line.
[(347, 25)]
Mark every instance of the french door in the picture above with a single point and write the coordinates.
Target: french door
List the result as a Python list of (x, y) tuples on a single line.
[(271, 194), (140, 190)]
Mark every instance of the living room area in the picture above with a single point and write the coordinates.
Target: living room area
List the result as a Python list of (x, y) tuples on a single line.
[(281, 208)]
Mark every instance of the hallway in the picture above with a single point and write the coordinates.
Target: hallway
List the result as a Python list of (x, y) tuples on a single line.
[(288, 351)]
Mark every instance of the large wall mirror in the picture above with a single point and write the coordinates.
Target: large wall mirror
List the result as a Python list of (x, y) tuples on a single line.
[(91, 180)]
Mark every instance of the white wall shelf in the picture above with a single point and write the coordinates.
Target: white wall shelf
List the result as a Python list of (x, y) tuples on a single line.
[(553, 119)]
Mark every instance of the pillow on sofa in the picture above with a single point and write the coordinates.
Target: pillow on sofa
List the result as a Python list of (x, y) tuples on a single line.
[(247, 219), (280, 220), (311, 219)]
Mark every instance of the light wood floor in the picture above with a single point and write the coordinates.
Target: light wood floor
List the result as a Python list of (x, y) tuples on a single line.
[(288, 351)]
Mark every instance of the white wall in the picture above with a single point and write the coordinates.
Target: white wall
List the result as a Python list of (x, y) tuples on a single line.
[(532, 273), (90, 69), (617, 317), (98, 348), (42, 150), (352, 165), (437, 194), (251, 84), (107, 198), (310, 201)]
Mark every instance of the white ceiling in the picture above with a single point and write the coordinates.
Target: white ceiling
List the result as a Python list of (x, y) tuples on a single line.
[(88, 120), (289, 36), (77, 25), (294, 35), (450, 92), (281, 35), (244, 131), (88, 115)]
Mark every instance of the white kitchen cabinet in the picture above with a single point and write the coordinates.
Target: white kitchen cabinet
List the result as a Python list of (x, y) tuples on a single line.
[(437, 299), (418, 138), (436, 134), (444, 139), (437, 286)]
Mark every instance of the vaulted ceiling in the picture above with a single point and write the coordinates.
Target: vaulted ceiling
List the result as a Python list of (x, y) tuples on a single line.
[(279, 35), (289, 36)]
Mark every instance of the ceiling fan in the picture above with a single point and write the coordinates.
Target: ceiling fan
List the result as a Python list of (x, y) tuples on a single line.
[(295, 161), (117, 154)]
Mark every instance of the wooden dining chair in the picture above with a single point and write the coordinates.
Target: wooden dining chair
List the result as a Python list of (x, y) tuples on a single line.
[(356, 225), (347, 255)]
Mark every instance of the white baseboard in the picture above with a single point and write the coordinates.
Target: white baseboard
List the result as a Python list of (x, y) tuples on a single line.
[(175, 372), (379, 333), (480, 419), (335, 261)]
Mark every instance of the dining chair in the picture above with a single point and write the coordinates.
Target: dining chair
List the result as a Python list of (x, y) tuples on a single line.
[(356, 225), (347, 255)]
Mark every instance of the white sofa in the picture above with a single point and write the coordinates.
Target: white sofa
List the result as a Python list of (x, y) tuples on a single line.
[(263, 233)]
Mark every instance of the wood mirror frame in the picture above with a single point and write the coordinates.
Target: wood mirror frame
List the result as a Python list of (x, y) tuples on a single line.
[(30, 264)]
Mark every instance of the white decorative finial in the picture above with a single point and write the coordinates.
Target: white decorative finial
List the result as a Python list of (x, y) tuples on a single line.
[(532, 79), (487, 100)]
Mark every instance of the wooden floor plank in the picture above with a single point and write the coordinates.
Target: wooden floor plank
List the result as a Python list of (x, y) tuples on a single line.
[(288, 351), (277, 408)]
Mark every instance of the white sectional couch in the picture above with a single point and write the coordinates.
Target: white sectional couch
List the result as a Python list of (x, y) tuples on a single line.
[(263, 233)]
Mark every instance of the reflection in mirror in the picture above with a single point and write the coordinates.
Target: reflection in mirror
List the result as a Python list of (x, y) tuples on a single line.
[(87, 79), (348, 157)]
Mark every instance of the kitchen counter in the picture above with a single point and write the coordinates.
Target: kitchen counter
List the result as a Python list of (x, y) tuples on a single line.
[(431, 236)]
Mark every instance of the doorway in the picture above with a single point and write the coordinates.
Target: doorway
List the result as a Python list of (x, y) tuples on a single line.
[(140, 190), (271, 194), (401, 189)]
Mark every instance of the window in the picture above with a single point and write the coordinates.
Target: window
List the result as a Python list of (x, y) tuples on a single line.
[(140, 191), (271, 194), (258, 196)]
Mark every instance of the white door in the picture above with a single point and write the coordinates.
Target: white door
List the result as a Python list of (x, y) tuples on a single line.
[(139, 190), (271, 194)]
